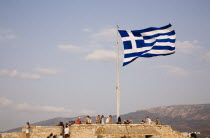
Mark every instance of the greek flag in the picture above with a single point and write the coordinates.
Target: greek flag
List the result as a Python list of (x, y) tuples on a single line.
[(148, 42)]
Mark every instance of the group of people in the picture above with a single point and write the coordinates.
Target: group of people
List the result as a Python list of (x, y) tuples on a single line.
[(150, 121), (119, 121), (65, 129), (98, 120), (101, 120), (52, 136)]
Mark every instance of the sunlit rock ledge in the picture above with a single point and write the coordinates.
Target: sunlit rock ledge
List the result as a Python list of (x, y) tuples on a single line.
[(101, 131)]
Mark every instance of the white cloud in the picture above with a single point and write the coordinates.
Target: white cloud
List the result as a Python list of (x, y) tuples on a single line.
[(101, 55), (206, 57), (87, 112), (22, 75), (105, 35), (173, 70), (87, 30), (188, 47), (38, 108), (46, 70), (192, 47), (96, 48), (104, 39), (97, 40), (70, 48), (5, 102), (6, 35)]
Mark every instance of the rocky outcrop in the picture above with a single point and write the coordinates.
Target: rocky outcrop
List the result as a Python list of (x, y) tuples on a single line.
[(122, 130), (101, 131)]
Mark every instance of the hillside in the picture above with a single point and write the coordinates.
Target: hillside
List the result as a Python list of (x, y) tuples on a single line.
[(184, 118)]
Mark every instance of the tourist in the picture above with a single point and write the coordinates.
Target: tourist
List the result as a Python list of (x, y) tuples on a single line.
[(147, 120), (131, 120), (142, 122), (66, 132), (110, 119), (152, 122), (107, 120), (78, 121), (62, 125), (61, 136), (119, 120), (27, 129), (193, 135), (50, 136), (126, 122), (102, 119), (98, 118), (71, 123), (158, 122), (88, 120)]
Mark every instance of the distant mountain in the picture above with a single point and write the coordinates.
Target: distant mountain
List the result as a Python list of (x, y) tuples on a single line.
[(184, 118)]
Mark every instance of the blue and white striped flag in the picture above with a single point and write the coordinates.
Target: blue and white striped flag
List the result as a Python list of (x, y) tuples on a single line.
[(148, 42)]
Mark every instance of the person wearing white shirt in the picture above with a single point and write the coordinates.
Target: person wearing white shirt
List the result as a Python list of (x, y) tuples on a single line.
[(102, 119), (89, 121), (147, 120), (107, 120), (27, 129), (66, 132)]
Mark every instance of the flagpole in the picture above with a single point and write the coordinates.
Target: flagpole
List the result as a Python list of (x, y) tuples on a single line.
[(117, 74)]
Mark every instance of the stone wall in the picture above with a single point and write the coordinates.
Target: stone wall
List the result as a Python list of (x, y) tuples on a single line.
[(35, 132), (11, 135), (43, 131), (101, 131), (121, 131)]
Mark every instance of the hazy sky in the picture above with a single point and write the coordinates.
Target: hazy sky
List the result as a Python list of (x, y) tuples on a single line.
[(57, 58)]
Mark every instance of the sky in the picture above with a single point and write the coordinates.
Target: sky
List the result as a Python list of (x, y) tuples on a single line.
[(57, 58)]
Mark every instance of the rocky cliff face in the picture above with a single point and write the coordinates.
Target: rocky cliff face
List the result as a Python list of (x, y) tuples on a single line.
[(184, 118), (187, 112)]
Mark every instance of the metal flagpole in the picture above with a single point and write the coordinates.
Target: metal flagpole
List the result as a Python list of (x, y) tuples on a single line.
[(117, 74)]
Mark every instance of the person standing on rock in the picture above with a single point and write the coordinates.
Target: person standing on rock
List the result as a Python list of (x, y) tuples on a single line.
[(119, 120), (110, 121), (98, 118), (107, 120), (78, 121), (62, 126), (147, 120), (88, 120), (158, 122), (131, 120), (102, 119), (27, 129), (66, 132), (193, 135)]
